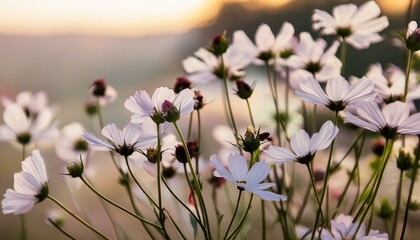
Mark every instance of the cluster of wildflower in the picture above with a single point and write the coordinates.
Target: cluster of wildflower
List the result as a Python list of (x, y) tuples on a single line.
[(258, 162)]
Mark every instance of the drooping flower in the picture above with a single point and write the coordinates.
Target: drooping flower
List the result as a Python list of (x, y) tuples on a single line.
[(205, 67), (342, 227), (124, 142), (71, 144), (304, 147), (267, 47), (412, 41), (310, 59), (164, 105), (392, 120), (390, 83), (30, 186), (18, 127), (103, 91), (250, 181), (358, 27), (338, 92)]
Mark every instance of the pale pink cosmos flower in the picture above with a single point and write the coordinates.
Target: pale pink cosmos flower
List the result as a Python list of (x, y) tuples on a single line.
[(30, 186), (71, 143), (358, 27), (105, 93), (342, 227), (311, 58), (304, 147), (390, 84), (31, 103), (338, 92), (267, 47), (250, 181), (205, 67), (164, 105), (412, 39), (390, 121), (125, 141), (19, 128)]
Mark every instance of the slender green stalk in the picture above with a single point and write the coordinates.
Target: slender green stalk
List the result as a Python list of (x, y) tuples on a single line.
[(23, 228), (234, 214), (159, 177), (317, 200), (116, 205), (398, 205), (415, 170), (264, 234), (176, 226), (190, 126), (149, 198), (250, 113), (273, 95), (407, 74), (196, 181), (192, 191), (197, 168), (60, 229), (77, 217), (343, 48), (240, 224), (99, 113), (305, 201)]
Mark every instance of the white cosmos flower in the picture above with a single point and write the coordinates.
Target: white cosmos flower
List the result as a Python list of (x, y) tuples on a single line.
[(267, 46), (250, 181), (342, 227), (304, 147), (164, 105), (71, 144), (18, 127), (125, 142), (358, 27), (311, 58), (31, 103), (393, 119), (338, 92), (30, 186), (390, 83), (205, 67), (103, 91)]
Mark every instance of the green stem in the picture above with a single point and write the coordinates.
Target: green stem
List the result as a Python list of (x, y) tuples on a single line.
[(410, 192), (343, 56), (250, 113), (99, 112), (76, 217), (176, 226), (192, 191), (199, 141), (60, 229), (397, 207), (407, 74), (159, 177), (23, 228), (317, 200), (196, 182), (263, 219), (305, 201), (190, 126), (234, 214), (274, 97), (240, 224), (116, 205)]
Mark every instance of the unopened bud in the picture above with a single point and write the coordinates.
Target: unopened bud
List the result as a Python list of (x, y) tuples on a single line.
[(404, 159), (219, 44), (170, 112), (243, 90), (98, 88), (385, 211), (75, 168), (412, 41), (181, 84)]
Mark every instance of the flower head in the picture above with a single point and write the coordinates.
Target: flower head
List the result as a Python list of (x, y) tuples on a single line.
[(71, 143), (412, 41), (250, 181), (30, 186), (125, 141), (357, 26), (342, 227), (338, 92), (311, 58), (32, 104), (304, 148), (392, 120), (18, 127), (163, 106), (103, 91)]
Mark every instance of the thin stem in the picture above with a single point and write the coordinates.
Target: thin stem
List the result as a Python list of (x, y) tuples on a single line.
[(195, 180), (150, 199), (240, 224), (273, 95), (197, 169), (343, 56), (116, 205), (159, 177), (407, 74), (250, 113), (317, 199), (234, 214), (263, 219), (410, 193), (99, 113), (22, 227), (60, 229), (192, 191), (305, 201), (397, 207), (77, 217), (176, 226), (190, 126)]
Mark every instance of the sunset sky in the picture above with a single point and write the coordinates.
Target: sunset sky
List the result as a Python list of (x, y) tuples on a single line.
[(124, 18)]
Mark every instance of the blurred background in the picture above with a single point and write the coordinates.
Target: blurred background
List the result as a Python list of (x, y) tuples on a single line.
[(61, 46)]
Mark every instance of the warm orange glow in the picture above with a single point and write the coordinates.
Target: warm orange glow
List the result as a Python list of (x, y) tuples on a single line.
[(258, 4), (394, 7), (103, 17)]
